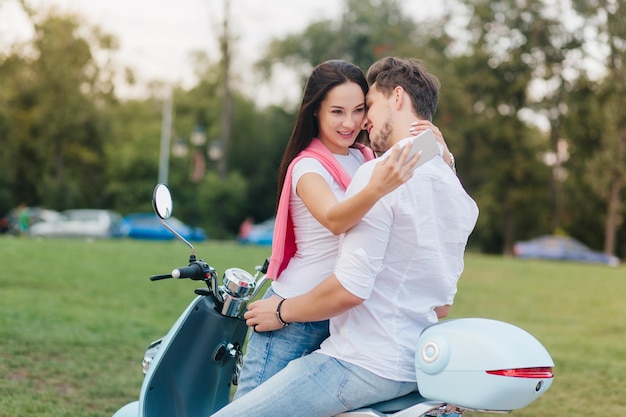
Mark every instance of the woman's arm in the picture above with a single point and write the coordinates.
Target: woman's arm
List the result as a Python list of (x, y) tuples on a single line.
[(338, 217)]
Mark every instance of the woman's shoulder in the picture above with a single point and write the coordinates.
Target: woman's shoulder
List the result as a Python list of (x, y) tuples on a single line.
[(308, 165)]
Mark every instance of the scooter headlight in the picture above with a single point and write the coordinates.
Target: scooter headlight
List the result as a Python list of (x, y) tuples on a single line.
[(149, 355)]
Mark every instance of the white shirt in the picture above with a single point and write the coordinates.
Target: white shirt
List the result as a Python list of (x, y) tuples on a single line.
[(404, 258), (317, 247)]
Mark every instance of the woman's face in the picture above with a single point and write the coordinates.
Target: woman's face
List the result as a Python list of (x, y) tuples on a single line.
[(340, 117)]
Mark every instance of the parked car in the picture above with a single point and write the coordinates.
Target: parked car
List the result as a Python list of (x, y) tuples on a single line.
[(89, 223), (148, 226), (261, 233), (561, 248), (12, 222)]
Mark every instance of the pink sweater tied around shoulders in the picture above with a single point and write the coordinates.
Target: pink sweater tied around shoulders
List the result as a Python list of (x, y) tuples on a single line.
[(284, 239)]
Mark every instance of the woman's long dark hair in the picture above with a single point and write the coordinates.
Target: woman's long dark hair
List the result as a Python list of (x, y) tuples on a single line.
[(324, 78)]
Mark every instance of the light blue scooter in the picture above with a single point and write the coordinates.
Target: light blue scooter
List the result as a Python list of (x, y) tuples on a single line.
[(468, 364)]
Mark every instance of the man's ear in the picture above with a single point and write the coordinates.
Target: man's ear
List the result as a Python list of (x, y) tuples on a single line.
[(399, 97)]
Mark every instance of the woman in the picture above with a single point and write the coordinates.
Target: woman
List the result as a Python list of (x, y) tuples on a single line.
[(322, 154)]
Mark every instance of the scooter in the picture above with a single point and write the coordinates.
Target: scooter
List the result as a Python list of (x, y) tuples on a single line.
[(466, 364)]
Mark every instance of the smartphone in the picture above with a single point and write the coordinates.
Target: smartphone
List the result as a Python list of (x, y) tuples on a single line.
[(427, 144)]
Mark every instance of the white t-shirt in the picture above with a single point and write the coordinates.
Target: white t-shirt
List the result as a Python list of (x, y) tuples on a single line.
[(404, 258), (315, 257)]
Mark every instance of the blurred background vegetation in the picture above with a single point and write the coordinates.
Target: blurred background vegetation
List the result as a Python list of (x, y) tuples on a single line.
[(533, 105)]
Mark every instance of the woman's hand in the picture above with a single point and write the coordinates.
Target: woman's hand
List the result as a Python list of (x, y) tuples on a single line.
[(421, 125), (392, 172)]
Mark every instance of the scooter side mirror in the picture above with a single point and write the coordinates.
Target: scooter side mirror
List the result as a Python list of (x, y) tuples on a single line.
[(163, 205), (162, 201)]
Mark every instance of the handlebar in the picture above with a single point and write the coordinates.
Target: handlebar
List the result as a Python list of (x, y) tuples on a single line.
[(232, 297), (193, 271), (158, 277), (196, 270)]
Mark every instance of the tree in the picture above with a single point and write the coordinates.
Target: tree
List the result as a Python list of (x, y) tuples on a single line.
[(56, 129), (367, 31), (491, 54), (605, 168), (132, 154)]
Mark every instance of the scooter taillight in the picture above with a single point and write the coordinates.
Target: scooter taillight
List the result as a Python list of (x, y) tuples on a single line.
[(542, 372)]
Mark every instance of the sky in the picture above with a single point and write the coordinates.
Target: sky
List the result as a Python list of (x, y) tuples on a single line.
[(157, 36)]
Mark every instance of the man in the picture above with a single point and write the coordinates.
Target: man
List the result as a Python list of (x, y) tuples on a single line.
[(396, 272)]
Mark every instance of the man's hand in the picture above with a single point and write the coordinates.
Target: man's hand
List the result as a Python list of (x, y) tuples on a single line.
[(442, 311), (326, 300), (261, 314)]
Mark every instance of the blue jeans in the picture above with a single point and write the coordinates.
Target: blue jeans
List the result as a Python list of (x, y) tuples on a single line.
[(269, 352), (316, 385)]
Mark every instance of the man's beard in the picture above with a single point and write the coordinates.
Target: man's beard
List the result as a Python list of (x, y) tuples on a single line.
[(380, 142)]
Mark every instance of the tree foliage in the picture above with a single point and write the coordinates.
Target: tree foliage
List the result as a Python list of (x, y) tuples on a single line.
[(601, 158), (56, 132)]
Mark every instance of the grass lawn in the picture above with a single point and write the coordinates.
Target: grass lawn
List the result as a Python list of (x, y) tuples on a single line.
[(76, 317)]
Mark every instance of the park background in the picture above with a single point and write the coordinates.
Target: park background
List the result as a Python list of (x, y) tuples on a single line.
[(532, 106)]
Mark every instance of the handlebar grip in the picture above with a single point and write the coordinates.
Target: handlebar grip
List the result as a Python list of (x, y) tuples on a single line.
[(265, 266), (158, 277), (193, 271)]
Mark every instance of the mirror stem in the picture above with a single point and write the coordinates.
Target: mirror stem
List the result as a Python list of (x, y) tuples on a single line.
[(193, 250)]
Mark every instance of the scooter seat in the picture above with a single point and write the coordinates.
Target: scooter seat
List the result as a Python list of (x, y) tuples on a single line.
[(397, 404)]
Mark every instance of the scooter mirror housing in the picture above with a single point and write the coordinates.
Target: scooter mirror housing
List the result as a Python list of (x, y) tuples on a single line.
[(163, 205), (481, 364), (162, 201)]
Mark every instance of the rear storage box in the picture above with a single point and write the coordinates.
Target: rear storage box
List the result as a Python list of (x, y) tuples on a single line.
[(481, 364)]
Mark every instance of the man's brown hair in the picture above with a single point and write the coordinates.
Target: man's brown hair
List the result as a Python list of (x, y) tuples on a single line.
[(410, 74)]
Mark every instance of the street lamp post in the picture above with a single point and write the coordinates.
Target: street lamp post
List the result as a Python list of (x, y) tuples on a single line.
[(197, 140), (166, 131)]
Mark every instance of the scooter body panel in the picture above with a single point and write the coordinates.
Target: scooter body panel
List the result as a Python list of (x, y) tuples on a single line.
[(411, 405), (191, 374), (129, 410)]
